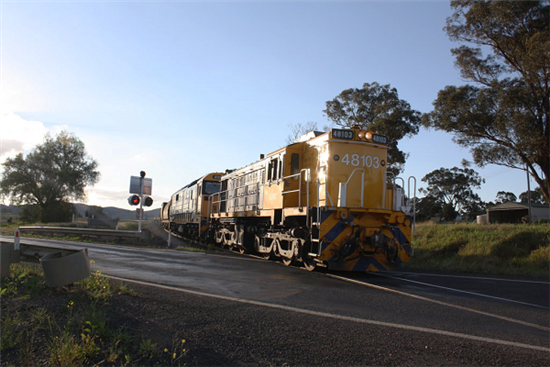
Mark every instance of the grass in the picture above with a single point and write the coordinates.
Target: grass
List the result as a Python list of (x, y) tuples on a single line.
[(511, 249), (71, 327)]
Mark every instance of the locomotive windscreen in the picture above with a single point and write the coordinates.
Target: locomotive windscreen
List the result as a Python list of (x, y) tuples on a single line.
[(210, 187)]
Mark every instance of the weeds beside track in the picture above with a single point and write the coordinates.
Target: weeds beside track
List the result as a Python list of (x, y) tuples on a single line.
[(72, 326)]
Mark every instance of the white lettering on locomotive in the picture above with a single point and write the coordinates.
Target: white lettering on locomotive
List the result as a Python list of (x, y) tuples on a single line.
[(357, 160)]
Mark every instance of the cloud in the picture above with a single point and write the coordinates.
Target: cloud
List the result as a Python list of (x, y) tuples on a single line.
[(105, 197), (19, 135), (11, 145)]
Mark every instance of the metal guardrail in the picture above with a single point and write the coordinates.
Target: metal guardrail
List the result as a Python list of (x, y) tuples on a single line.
[(61, 265), (141, 235)]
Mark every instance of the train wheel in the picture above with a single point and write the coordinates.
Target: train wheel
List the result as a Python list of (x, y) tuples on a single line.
[(309, 263), (286, 261), (219, 238), (294, 246)]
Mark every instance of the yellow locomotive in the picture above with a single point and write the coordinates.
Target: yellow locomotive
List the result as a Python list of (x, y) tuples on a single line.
[(188, 211), (325, 200)]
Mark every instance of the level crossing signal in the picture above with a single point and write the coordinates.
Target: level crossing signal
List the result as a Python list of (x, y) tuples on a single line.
[(133, 200), (147, 201)]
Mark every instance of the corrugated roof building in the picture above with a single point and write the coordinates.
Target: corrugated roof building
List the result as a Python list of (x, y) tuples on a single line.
[(517, 213)]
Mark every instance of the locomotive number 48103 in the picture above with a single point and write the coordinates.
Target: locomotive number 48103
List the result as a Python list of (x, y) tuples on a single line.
[(357, 160)]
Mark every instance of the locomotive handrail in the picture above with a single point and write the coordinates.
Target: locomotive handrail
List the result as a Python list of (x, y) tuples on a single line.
[(397, 206), (343, 189), (235, 196), (390, 176), (413, 201), (299, 190), (212, 202)]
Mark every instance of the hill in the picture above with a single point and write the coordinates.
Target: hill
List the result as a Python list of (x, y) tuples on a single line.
[(84, 210)]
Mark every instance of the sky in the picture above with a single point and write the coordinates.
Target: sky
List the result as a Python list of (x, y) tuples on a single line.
[(179, 89)]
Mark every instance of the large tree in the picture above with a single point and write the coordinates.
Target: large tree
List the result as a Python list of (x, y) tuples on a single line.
[(377, 107), (505, 197), (504, 116), (51, 175), (453, 188), (536, 197)]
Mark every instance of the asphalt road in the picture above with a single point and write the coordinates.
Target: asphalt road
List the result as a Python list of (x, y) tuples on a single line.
[(507, 318)]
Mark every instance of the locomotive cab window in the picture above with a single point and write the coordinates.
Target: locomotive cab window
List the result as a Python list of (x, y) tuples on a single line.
[(294, 164), (273, 170)]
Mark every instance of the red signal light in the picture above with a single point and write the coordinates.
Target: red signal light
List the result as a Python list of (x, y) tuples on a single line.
[(133, 200)]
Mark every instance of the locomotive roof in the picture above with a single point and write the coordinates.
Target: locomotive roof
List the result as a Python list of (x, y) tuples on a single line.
[(308, 136), (198, 179), (250, 167)]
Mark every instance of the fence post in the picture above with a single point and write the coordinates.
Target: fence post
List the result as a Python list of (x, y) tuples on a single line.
[(16, 247)]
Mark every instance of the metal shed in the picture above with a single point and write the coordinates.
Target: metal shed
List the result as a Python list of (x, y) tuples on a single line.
[(517, 212)]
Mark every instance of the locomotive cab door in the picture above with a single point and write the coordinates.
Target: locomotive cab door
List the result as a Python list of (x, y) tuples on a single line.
[(293, 187), (273, 198)]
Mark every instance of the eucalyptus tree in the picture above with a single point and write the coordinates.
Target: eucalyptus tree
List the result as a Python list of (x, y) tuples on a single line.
[(377, 107), (536, 197), (505, 197), (504, 116), (454, 189), (50, 176)]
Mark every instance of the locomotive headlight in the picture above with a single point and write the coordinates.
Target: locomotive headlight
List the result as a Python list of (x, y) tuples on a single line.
[(368, 136), (361, 135)]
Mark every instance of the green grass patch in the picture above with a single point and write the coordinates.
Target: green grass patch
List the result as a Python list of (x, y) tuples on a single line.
[(514, 249), (71, 326)]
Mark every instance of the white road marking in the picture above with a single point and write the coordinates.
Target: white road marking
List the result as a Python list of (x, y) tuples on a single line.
[(463, 291), (344, 318), (441, 302), (479, 278)]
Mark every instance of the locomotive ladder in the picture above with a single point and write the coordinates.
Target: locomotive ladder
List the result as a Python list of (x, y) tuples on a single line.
[(315, 222)]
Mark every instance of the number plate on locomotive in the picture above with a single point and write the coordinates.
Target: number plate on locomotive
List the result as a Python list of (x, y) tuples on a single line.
[(342, 134), (380, 139)]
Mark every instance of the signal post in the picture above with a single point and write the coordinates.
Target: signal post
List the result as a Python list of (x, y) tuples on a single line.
[(140, 186)]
